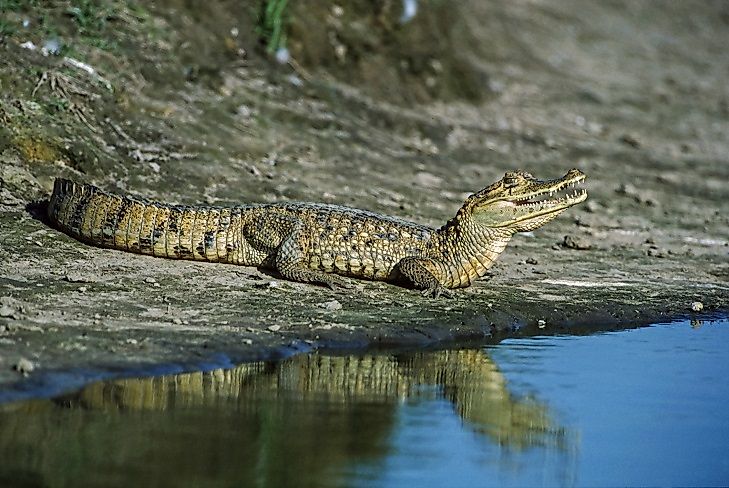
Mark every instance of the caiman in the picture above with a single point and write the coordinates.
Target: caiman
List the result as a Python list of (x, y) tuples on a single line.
[(315, 242)]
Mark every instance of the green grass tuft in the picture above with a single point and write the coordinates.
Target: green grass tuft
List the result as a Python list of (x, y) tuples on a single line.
[(272, 25)]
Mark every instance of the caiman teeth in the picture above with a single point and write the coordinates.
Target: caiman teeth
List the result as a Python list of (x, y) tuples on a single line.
[(532, 200)]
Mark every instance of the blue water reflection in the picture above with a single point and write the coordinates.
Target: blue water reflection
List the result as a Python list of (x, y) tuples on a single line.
[(634, 407), (650, 405)]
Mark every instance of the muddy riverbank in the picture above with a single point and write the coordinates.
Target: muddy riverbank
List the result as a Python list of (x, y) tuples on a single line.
[(184, 106)]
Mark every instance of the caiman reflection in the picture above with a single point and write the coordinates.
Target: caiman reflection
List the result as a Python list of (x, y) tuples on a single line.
[(302, 421)]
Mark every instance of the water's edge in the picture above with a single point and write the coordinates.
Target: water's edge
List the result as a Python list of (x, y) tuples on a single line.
[(48, 383)]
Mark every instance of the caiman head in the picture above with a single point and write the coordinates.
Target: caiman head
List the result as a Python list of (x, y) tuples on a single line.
[(521, 203)]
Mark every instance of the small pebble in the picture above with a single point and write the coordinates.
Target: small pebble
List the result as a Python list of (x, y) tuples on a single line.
[(248, 342), (655, 252), (579, 243), (532, 261), (24, 366), (331, 305), (274, 328), (282, 55), (268, 284), (77, 278), (697, 306), (150, 280), (7, 311), (51, 46), (541, 323)]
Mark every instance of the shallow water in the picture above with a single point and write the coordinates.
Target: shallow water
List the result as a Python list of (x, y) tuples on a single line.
[(635, 407)]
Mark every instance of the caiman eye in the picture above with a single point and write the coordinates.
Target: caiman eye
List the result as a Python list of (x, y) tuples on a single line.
[(510, 179)]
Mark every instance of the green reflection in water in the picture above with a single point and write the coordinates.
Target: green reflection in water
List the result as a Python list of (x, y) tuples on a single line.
[(299, 422)]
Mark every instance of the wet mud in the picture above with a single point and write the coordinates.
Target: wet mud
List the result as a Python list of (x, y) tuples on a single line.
[(403, 116)]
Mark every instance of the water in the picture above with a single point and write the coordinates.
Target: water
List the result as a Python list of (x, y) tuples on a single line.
[(636, 407)]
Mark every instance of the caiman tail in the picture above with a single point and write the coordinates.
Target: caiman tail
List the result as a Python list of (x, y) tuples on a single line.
[(92, 215)]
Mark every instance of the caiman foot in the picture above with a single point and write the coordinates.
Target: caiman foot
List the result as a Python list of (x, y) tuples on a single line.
[(437, 291), (423, 274), (303, 275), (335, 283)]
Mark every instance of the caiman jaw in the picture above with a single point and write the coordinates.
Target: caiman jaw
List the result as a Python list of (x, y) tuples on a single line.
[(529, 199)]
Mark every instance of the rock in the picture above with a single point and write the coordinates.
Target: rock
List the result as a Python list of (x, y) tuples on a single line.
[(8, 312), (9, 301), (247, 342), (697, 306), (532, 261), (268, 284), (579, 243), (541, 323), (655, 252), (24, 366), (274, 328), (331, 305), (78, 278), (11, 308)]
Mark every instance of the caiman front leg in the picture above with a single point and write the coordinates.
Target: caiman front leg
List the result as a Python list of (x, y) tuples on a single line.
[(290, 263), (423, 274)]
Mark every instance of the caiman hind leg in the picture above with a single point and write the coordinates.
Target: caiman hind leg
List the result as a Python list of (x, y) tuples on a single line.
[(423, 274), (290, 263)]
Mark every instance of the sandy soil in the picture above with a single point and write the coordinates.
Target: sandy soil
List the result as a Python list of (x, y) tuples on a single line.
[(181, 106)]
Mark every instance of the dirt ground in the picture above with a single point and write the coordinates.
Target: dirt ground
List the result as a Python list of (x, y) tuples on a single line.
[(373, 109)]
